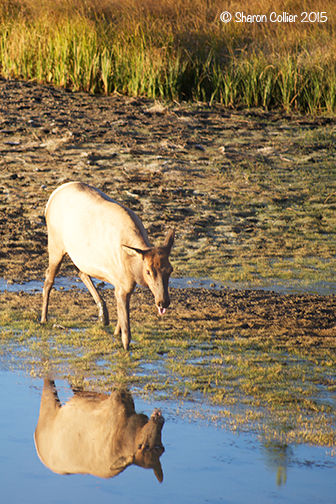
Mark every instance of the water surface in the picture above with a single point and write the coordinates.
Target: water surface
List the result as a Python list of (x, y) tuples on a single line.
[(201, 463), (281, 286)]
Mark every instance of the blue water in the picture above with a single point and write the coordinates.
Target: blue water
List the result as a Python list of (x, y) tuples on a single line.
[(201, 464), (277, 285)]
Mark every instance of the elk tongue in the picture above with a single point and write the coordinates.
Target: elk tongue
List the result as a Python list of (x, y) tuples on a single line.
[(161, 311)]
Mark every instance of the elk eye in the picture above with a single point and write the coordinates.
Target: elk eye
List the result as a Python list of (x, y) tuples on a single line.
[(148, 272)]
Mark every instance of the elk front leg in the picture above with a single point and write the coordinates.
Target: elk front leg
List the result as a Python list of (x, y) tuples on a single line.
[(123, 324), (55, 261)]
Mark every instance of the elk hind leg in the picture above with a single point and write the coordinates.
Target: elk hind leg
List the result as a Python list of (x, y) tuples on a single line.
[(102, 309)]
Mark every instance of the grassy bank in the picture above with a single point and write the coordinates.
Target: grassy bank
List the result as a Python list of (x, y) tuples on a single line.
[(174, 50)]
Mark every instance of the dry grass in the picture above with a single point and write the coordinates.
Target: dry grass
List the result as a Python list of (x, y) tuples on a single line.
[(174, 50)]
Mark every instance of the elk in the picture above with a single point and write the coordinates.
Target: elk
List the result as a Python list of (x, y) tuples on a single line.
[(107, 241), (96, 434)]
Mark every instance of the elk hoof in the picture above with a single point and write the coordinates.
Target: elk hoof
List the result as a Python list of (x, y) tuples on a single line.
[(103, 313)]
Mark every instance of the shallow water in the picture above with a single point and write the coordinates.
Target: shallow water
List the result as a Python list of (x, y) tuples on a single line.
[(201, 463), (280, 286)]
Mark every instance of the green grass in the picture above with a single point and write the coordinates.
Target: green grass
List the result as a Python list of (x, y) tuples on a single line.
[(173, 50)]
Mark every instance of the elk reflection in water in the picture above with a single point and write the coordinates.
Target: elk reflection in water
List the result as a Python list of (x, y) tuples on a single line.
[(96, 434)]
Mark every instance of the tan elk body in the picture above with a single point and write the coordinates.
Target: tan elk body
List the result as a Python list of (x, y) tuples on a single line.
[(107, 241), (96, 434)]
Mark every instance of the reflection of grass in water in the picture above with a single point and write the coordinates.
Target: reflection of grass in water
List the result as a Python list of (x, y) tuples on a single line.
[(281, 388)]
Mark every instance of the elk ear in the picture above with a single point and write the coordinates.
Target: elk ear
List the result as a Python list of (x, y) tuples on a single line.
[(134, 251), (158, 471), (169, 240)]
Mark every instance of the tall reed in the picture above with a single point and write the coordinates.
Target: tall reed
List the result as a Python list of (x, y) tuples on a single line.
[(173, 50)]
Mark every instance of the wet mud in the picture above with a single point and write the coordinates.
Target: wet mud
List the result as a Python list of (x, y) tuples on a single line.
[(302, 319)]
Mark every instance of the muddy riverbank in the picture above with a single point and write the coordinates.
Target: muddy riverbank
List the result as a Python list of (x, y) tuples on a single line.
[(303, 318), (251, 194), (187, 166)]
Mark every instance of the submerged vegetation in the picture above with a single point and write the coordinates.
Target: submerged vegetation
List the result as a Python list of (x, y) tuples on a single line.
[(176, 50)]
